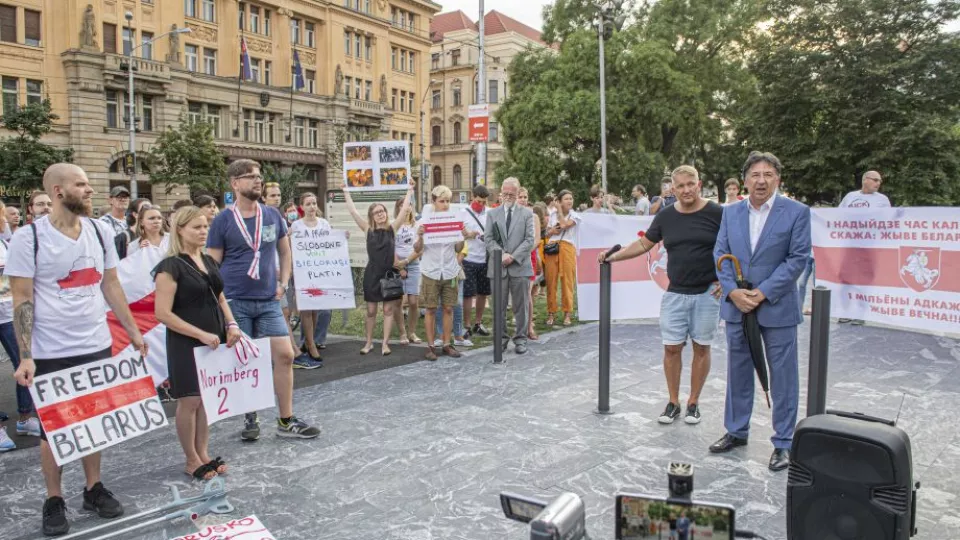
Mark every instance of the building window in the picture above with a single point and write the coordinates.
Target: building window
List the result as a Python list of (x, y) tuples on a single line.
[(313, 134), (8, 24), (457, 177), (413, 62), (31, 27), (255, 69), (435, 136), (241, 15), (403, 101), (435, 100), (347, 43), (146, 45), (255, 19), (410, 100), (109, 38), (455, 57), (113, 107), (494, 131), (209, 61), (457, 97), (368, 90), (311, 34), (435, 61), (146, 113), (493, 96), (403, 60), (298, 132), (128, 35), (194, 113), (34, 91), (358, 41), (208, 11), (358, 89), (393, 99), (368, 48), (266, 22), (456, 133), (190, 8), (311, 79), (348, 86), (366, 6), (393, 58), (213, 118), (267, 71), (295, 31), (190, 54), (437, 176)]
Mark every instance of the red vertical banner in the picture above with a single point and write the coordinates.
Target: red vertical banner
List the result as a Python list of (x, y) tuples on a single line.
[(479, 118)]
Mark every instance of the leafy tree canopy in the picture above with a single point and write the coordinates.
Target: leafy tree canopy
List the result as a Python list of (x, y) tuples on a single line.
[(23, 158), (188, 155)]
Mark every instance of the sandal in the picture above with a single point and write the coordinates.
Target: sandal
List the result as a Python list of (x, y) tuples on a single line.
[(204, 472), (550, 320), (218, 465), (415, 340), (366, 349), (385, 351), (404, 341), (567, 321)]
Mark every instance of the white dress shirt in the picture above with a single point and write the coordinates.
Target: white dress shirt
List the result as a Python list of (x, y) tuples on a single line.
[(758, 218)]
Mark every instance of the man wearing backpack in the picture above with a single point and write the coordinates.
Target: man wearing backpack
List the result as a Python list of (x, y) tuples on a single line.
[(62, 266), (476, 286)]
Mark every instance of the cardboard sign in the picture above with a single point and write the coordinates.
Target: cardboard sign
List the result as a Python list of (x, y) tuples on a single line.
[(97, 405), (248, 528), (376, 166), (321, 269), (479, 117), (233, 382), (442, 228)]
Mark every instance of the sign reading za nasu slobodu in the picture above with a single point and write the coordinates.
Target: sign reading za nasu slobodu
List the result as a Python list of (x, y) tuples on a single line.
[(321, 269), (93, 406)]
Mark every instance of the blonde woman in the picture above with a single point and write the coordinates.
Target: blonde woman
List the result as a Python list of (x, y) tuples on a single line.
[(563, 230), (190, 302), (408, 261)]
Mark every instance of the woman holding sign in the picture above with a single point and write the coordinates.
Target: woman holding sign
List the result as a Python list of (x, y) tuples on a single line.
[(381, 260), (311, 221), (190, 302)]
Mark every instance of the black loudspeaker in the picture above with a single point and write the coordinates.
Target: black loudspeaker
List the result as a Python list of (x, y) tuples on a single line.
[(850, 479)]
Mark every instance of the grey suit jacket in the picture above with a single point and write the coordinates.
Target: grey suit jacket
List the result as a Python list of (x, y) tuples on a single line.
[(518, 241)]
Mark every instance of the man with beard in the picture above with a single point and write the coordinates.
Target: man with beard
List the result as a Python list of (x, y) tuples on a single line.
[(247, 241), (40, 205), (64, 267)]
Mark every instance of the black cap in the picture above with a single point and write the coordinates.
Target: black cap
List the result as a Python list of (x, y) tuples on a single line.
[(119, 191)]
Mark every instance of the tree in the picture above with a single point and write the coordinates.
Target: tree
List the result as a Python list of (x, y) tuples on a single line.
[(288, 178), (851, 85), (23, 158), (188, 155)]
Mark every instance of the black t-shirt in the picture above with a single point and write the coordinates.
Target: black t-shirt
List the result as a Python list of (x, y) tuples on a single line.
[(689, 239)]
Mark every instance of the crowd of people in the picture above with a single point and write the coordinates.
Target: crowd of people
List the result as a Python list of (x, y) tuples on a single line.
[(228, 274)]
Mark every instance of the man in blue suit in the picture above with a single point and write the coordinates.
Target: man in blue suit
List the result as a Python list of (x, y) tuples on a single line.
[(770, 235)]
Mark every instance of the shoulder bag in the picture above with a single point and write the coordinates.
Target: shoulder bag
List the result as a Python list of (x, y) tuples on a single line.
[(391, 286)]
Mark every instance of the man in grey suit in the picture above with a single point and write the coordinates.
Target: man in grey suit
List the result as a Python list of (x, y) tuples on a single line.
[(510, 228)]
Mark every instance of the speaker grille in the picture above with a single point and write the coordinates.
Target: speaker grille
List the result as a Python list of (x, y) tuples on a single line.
[(799, 476), (896, 499)]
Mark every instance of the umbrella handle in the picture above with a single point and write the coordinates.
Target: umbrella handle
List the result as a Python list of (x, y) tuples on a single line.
[(736, 264)]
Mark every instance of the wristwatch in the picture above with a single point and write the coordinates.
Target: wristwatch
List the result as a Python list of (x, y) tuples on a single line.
[(285, 286)]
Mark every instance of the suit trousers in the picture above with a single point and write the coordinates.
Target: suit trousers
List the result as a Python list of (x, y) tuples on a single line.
[(780, 345), (562, 267), (518, 287)]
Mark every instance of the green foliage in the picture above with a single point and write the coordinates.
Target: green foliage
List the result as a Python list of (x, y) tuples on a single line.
[(23, 158), (188, 155), (288, 178)]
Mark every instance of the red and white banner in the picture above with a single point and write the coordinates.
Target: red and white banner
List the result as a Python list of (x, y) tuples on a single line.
[(895, 266), (442, 228), (479, 118), (97, 405), (248, 528), (135, 277), (637, 284)]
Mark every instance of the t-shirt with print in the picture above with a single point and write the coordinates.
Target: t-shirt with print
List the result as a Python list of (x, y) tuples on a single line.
[(404, 241), (237, 255), (859, 199), (476, 249), (689, 241), (6, 295), (70, 313), (118, 225)]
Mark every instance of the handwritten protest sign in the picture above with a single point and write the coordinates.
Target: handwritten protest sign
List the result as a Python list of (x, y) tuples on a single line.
[(321, 269), (442, 228), (248, 528), (376, 166), (97, 405), (233, 382)]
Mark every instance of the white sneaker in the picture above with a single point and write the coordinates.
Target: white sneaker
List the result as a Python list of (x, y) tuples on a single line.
[(465, 342), (29, 427), (438, 343), (5, 443)]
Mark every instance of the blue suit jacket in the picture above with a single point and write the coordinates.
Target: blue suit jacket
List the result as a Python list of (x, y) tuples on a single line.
[(774, 267)]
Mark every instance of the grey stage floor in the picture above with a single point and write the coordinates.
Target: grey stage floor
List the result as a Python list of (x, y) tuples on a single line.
[(421, 451)]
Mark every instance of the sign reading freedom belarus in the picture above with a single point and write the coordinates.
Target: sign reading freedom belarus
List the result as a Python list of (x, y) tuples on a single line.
[(321, 270), (442, 228), (97, 405), (896, 266)]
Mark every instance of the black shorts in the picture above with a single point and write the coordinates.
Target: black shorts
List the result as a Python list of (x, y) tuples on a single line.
[(53, 365), (476, 283)]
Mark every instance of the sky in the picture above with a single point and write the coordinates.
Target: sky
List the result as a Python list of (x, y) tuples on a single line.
[(525, 11)]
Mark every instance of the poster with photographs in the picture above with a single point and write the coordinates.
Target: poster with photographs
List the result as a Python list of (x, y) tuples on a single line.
[(376, 166)]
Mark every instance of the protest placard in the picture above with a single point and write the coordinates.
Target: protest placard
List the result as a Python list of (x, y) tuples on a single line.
[(97, 405), (234, 380), (321, 269), (376, 166), (442, 228), (248, 528)]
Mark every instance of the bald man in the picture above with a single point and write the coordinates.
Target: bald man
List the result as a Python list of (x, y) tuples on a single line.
[(65, 267), (869, 195)]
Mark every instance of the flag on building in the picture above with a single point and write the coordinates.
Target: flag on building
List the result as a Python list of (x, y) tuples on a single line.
[(298, 81), (245, 72)]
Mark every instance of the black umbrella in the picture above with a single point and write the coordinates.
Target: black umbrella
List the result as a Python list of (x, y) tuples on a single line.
[(751, 329)]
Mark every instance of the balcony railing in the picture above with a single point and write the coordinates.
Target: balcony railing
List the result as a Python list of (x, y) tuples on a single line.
[(367, 106), (141, 66)]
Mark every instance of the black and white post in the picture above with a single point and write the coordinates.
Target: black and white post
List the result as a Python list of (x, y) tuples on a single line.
[(603, 401), (496, 259), (819, 352)]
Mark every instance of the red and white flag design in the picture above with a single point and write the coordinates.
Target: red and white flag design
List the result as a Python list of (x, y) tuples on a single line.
[(896, 266), (637, 284), (137, 281)]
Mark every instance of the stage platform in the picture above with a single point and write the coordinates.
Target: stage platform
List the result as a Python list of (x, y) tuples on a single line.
[(421, 451)]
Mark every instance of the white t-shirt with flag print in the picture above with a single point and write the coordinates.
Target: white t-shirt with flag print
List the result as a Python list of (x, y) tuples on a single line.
[(70, 315)]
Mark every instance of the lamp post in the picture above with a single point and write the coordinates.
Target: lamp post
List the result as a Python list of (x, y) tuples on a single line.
[(423, 159), (131, 122), (608, 21)]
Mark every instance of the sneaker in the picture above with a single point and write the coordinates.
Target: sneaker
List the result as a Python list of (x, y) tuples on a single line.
[(693, 414), (438, 343), (671, 413), (251, 427), (297, 429), (465, 342), (101, 500), (6, 444), (31, 426), (304, 361), (55, 517), (480, 330)]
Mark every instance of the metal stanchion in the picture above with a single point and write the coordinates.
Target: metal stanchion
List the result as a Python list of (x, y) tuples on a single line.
[(496, 259), (603, 403), (819, 352)]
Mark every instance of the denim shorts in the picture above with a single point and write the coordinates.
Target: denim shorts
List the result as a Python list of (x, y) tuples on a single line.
[(259, 318), (689, 316), (411, 285)]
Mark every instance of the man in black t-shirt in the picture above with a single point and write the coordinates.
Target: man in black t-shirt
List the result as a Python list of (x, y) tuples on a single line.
[(690, 308)]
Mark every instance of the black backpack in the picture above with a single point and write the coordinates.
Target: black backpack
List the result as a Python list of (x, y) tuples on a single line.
[(36, 241)]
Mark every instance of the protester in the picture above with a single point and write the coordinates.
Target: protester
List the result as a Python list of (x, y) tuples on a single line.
[(639, 194), (288, 302), (191, 304), (690, 309), (868, 196), (132, 233), (151, 231), (774, 253), (511, 231), (564, 231), (311, 319), (523, 199), (381, 261), (440, 275), (408, 261), (69, 327), (598, 201), (290, 212), (666, 197), (246, 242), (182, 203), (272, 194), (476, 284), (38, 205), (731, 189), (460, 333), (11, 222), (209, 206), (119, 200)]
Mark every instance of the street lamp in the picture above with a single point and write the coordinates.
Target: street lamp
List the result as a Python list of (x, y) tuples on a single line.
[(131, 122), (609, 18), (423, 160)]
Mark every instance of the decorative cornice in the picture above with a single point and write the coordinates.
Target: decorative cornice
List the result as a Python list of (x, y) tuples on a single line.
[(202, 32)]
